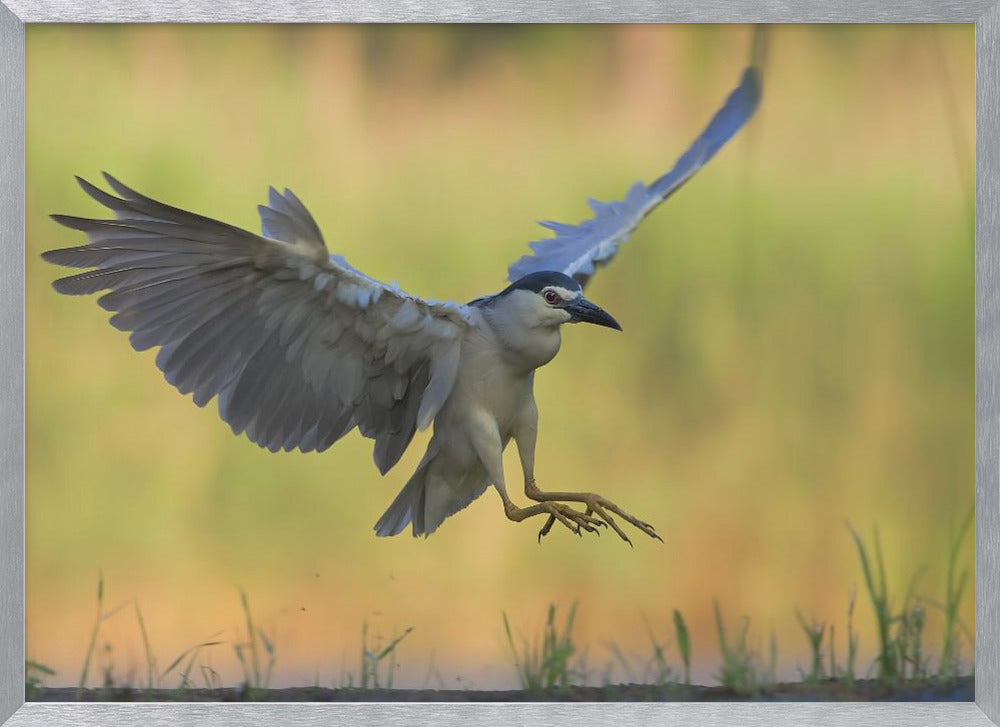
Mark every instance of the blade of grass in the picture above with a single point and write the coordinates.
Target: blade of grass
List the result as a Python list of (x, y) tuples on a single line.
[(683, 644), (150, 661), (180, 657), (269, 649), (93, 635), (251, 638)]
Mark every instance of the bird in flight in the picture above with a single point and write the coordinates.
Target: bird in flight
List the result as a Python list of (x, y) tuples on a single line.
[(299, 347)]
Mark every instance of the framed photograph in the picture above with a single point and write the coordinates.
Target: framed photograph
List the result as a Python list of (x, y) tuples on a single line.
[(359, 464)]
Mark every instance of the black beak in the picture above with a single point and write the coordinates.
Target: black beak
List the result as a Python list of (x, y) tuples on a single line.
[(584, 311)]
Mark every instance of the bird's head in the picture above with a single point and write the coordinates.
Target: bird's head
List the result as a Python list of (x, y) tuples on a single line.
[(549, 299)]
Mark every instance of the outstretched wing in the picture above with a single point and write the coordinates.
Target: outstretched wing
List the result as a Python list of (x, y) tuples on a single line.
[(577, 250), (298, 346)]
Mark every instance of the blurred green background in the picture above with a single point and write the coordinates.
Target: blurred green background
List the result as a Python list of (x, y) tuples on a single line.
[(798, 345)]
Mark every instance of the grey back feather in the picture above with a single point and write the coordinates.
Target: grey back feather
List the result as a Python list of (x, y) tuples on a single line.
[(298, 347)]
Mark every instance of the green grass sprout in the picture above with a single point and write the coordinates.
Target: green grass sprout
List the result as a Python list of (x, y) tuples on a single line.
[(34, 678), (545, 666), (878, 591), (814, 632), (372, 658), (740, 665)]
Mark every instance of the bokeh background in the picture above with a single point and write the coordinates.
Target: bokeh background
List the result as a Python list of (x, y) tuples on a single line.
[(798, 345)]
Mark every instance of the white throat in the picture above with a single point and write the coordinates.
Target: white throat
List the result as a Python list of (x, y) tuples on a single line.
[(526, 328)]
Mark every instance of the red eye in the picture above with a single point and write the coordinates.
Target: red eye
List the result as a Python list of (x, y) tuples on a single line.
[(551, 297)]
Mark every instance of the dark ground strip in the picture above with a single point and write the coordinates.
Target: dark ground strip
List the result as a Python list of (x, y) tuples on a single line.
[(865, 690)]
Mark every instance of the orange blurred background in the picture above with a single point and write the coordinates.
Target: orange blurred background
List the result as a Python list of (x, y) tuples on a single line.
[(798, 345)]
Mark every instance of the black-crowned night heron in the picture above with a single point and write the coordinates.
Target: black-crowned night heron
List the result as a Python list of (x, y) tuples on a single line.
[(300, 348)]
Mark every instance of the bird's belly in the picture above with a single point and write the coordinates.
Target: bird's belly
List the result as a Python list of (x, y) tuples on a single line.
[(504, 402), (497, 395)]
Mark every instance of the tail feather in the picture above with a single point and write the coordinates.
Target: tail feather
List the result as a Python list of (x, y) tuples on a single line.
[(427, 500), (406, 508)]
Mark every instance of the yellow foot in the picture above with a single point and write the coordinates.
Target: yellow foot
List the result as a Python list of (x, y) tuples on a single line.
[(573, 519), (596, 505)]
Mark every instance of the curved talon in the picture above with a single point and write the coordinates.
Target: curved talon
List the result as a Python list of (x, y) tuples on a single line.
[(610, 521), (556, 512), (546, 528), (643, 526), (576, 521)]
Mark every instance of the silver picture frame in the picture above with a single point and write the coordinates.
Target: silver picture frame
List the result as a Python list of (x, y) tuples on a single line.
[(14, 14)]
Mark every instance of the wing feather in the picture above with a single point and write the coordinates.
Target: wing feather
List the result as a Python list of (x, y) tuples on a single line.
[(578, 250), (297, 346)]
